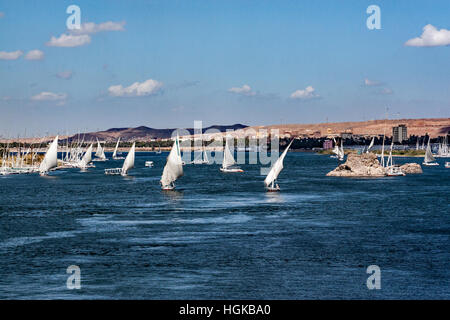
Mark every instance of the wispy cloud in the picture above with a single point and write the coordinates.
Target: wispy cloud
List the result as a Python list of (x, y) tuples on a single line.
[(431, 37), (386, 91), (91, 27), (66, 75), (245, 90), (69, 40), (34, 55), (12, 55), (306, 94), (49, 96), (137, 89)]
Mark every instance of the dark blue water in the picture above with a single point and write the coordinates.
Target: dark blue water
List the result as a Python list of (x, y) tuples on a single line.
[(222, 236)]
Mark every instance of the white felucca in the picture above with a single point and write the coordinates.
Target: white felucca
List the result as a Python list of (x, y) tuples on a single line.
[(391, 169), (270, 181), (129, 160), (371, 144), (114, 156), (100, 153), (341, 151), (173, 168), (87, 158), (50, 159), (228, 163), (429, 159), (127, 164)]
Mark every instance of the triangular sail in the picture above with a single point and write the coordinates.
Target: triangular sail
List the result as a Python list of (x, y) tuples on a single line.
[(51, 157), (428, 154), (205, 155), (371, 144), (276, 168), (87, 156), (115, 149), (129, 160), (174, 166), (228, 158)]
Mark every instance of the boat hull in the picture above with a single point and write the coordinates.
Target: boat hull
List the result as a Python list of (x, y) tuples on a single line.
[(231, 170)]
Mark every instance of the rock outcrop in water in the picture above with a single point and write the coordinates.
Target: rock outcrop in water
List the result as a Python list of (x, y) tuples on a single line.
[(359, 165), (411, 168)]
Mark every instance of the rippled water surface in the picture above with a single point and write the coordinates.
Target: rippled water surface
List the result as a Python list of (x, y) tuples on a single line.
[(222, 236)]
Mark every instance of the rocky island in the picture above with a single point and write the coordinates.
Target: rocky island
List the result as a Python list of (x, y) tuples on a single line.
[(367, 165)]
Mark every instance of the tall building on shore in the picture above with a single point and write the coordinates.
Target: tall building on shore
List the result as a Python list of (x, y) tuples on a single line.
[(400, 133)]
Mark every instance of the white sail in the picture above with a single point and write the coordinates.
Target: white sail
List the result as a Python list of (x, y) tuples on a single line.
[(276, 168), (115, 149), (428, 154), (51, 157), (174, 167), (341, 151), (100, 153), (87, 157), (389, 161), (205, 156), (371, 144), (129, 160), (417, 144), (228, 158)]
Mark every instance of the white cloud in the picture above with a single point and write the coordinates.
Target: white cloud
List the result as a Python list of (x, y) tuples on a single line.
[(66, 75), (137, 89), (306, 94), (244, 90), (49, 96), (371, 83), (91, 27), (13, 55), (431, 37), (34, 55), (69, 40)]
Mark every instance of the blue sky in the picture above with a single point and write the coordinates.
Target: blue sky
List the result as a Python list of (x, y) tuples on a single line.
[(223, 62)]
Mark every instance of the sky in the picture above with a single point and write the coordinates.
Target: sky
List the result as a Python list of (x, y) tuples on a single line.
[(164, 64)]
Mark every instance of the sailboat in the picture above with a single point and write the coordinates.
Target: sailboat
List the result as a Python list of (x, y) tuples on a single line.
[(341, 152), (443, 151), (228, 160), (173, 168), (270, 181), (114, 156), (127, 164), (429, 159), (417, 144), (87, 158), (50, 159), (100, 153), (391, 169), (201, 158), (371, 144), (335, 150)]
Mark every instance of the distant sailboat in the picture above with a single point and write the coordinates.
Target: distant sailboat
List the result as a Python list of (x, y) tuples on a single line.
[(270, 181), (100, 153), (173, 168), (341, 152), (50, 159), (87, 158), (429, 159), (127, 164), (391, 169), (417, 144), (228, 163), (371, 144), (201, 158), (129, 160), (114, 156)]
